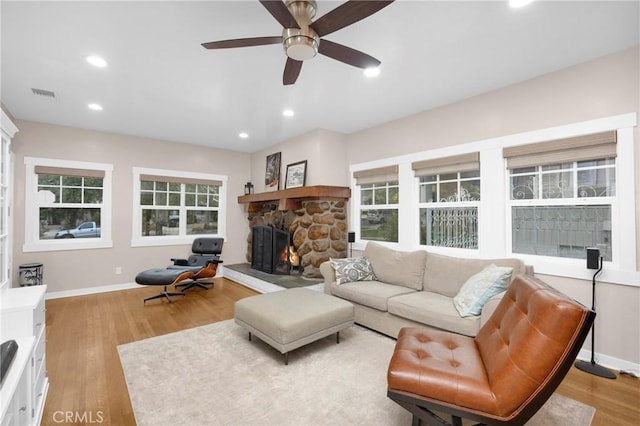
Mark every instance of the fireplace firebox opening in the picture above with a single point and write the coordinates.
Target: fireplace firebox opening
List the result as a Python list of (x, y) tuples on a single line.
[(272, 251)]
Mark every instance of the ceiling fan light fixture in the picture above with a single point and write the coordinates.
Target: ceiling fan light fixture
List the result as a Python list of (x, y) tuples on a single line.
[(300, 44)]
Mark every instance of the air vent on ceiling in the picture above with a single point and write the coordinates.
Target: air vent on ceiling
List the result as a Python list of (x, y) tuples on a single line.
[(44, 93)]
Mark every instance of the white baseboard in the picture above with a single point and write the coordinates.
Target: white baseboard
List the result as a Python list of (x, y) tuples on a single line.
[(251, 282), (90, 290), (610, 362)]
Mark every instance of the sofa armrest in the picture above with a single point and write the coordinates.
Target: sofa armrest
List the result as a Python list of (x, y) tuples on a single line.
[(329, 275), (489, 307)]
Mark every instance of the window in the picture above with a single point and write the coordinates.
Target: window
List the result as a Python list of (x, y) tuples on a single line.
[(379, 199), (449, 196), (174, 205), (70, 203), (561, 207), (67, 205)]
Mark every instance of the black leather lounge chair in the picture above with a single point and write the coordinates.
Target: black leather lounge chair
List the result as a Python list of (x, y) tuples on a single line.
[(196, 271), (203, 262)]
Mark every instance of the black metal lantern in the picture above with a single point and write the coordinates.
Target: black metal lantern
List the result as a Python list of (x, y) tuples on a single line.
[(248, 188)]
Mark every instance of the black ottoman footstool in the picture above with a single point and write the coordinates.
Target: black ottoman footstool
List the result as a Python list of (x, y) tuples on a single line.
[(164, 277)]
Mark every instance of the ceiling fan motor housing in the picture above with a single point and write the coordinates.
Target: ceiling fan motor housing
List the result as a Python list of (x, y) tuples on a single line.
[(300, 43)]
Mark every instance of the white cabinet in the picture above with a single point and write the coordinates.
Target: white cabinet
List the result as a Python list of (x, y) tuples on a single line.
[(22, 317), (16, 390)]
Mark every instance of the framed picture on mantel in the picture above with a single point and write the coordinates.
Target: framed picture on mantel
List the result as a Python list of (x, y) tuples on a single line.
[(296, 175), (272, 173)]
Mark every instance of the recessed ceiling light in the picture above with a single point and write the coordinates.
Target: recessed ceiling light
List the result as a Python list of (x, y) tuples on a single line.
[(97, 61), (519, 3), (243, 135), (95, 107), (372, 72), (288, 113)]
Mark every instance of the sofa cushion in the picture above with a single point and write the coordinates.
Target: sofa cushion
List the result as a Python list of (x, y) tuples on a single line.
[(397, 267), (373, 294), (352, 269), (447, 274), (434, 310), (480, 287)]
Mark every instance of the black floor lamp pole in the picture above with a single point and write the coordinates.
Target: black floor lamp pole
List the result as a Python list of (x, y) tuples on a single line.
[(592, 367)]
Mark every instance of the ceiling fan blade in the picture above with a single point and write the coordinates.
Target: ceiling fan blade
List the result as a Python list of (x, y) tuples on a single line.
[(291, 71), (278, 10), (346, 14), (242, 42), (347, 55)]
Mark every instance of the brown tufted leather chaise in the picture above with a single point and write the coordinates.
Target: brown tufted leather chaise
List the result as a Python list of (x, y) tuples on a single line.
[(503, 375)]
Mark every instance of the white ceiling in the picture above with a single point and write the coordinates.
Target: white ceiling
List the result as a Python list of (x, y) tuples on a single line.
[(160, 83)]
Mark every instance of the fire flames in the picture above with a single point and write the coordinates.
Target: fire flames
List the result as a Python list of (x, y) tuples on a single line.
[(294, 259)]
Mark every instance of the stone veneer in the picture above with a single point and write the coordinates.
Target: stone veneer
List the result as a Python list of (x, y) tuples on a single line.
[(318, 229)]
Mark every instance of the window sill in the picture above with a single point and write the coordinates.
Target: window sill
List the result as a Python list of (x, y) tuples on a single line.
[(59, 245), (576, 268), (169, 240)]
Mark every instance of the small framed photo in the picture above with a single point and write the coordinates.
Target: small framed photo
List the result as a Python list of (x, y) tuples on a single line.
[(296, 175), (272, 173)]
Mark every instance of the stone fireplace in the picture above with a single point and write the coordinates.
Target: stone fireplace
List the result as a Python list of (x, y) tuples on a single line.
[(317, 224)]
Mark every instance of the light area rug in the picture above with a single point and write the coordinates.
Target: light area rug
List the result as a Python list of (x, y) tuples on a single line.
[(213, 375)]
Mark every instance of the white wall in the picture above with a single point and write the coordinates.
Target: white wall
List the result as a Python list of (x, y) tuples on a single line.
[(66, 271)]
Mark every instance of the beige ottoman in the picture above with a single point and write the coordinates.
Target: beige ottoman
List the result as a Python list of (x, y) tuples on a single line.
[(292, 318)]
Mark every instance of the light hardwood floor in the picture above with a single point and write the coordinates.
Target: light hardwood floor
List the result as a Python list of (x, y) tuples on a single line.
[(87, 384)]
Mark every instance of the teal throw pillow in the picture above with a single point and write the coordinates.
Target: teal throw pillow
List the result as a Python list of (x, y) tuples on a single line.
[(353, 269), (481, 287)]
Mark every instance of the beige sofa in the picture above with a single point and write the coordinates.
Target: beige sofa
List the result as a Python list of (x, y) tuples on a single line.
[(415, 288)]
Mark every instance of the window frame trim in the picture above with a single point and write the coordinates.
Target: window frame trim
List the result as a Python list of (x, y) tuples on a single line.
[(32, 241), (137, 240)]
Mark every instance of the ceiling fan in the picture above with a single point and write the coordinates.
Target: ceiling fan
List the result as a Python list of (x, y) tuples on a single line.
[(301, 36)]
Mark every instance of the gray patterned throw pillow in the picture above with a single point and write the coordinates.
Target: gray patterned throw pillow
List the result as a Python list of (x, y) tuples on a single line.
[(353, 269)]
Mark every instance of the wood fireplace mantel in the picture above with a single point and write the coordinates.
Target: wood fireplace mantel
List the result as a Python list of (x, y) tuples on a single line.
[(291, 199)]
